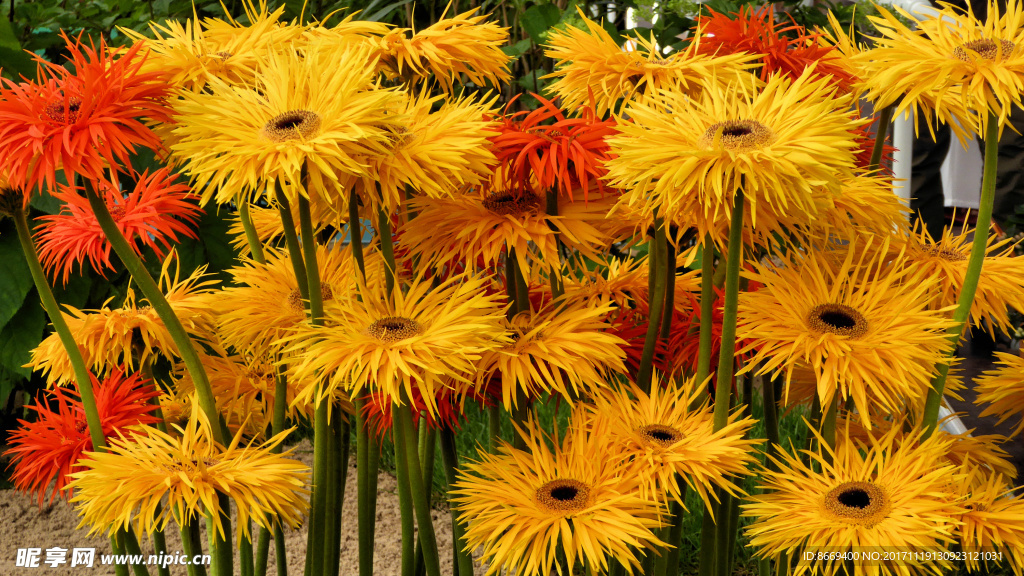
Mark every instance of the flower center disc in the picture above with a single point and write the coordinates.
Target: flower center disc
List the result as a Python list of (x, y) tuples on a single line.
[(661, 435), (295, 297), (837, 319), (737, 135), (947, 254), (564, 495), (64, 113), (857, 503), (394, 329), (985, 49), (509, 204), (293, 125)]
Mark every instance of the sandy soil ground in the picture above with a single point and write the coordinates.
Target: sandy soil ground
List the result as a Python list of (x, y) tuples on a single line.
[(24, 525)]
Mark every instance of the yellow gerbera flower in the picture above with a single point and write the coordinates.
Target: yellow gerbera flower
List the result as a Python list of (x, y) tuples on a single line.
[(563, 348), (307, 109), (952, 65), (789, 147), (944, 262), (590, 64), (264, 305), (521, 506), (132, 334), (435, 154), (463, 44), (662, 437), (147, 480), (469, 228), (1003, 390), (865, 203), (991, 522), (863, 328), (388, 345), (189, 54), (893, 496)]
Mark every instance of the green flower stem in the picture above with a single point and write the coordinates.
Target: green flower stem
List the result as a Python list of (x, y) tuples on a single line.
[(355, 232), (131, 546), (656, 300), (510, 282), (522, 288), (245, 561), (366, 488), (557, 284), (427, 442), (281, 555), (387, 247), (276, 427), (668, 562), (707, 307), (727, 349), (978, 249), (323, 456), (519, 299), (83, 376), (190, 545), (251, 237), (156, 298), (884, 120), (291, 240), (771, 422), (419, 499), (220, 545), (262, 551), (408, 514), (367, 451), (828, 423), (493, 428), (670, 289), (336, 496), (450, 461), (160, 546)]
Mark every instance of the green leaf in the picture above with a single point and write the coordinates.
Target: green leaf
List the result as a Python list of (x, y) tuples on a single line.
[(15, 278), (385, 11), (518, 49), (23, 333), (538, 18)]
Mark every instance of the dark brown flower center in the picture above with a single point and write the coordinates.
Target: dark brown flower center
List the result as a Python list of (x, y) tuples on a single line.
[(564, 495), (64, 111), (11, 201), (510, 204), (837, 319), (392, 329), (296, 303), (222, 55), (985, 49), (737, 135), (293, 125), (661, 435), (949, 255), (857, 503)]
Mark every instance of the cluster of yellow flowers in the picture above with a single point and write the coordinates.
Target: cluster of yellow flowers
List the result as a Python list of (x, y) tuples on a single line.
[(520, 257)]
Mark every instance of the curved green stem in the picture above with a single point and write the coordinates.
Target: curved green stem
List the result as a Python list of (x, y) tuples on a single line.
[(355, 232), (83, 376), (828, 423), (655, 302), (707, 309), (970, 286), (156, 298), (131, 547), (407, 434), (366, 488), (251, 237), (557, 285), (668, 563), (408, 514), (450, 460), (884, 120), (727, 350), (291, 240), (190, 544), (387, 247), (670, 290)]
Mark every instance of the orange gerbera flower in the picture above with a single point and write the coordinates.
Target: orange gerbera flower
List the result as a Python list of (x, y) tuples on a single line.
[(44, 450), (153, 215), (83, 122), (566, 154), (751, 31)]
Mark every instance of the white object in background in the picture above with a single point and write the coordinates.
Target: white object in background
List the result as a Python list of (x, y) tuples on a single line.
[(961, 174), (952, 425), (903, 140)]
